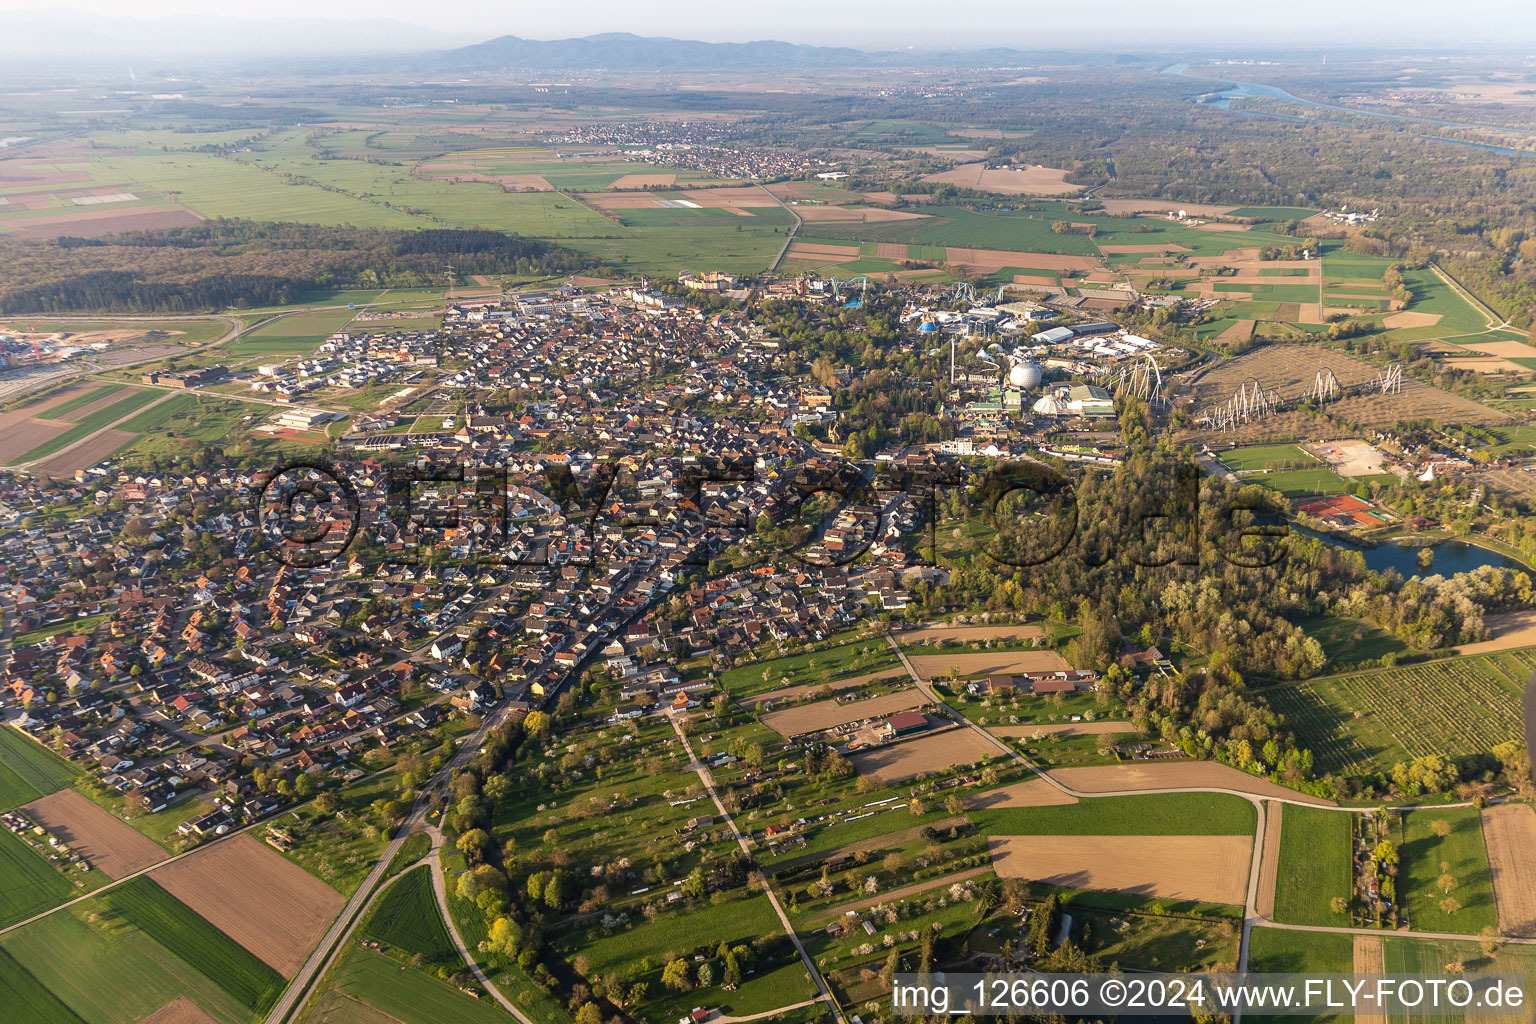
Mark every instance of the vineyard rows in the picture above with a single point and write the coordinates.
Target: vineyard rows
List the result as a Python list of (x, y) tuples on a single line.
[(1366, 722)]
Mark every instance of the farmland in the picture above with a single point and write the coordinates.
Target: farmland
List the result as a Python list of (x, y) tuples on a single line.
[(904, 760), (102, 838), (367, 988), (1314, 865), (406, 917), (249, 892), (27, 767), (159, 914), (28, 883), (1164, 814), (1369, 721), (1207, 869), (108, 971)]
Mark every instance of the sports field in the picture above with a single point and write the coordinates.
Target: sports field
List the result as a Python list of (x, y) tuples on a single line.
[(1369, 721)]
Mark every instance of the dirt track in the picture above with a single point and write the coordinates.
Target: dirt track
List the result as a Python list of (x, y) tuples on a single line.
[(1510, 832), (1154, 775), (112, 847), (1208, 868), (269, 905)]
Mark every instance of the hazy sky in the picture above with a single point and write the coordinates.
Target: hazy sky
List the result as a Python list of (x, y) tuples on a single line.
[(975, 23)]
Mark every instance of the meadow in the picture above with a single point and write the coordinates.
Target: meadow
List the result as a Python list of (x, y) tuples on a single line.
[(957, 226), (1368, 721), (1272, 212), (809, 667), (1315, 866), (406, 917), (1426, 856), (226, 963), (1273, 951)]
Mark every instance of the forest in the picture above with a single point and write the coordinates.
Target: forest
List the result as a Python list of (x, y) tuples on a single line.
[(226, 262)]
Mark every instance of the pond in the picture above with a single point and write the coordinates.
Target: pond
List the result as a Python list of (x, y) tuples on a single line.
[(1451, 556)]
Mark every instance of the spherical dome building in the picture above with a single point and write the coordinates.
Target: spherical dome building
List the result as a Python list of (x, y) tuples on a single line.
[(1024, 374)]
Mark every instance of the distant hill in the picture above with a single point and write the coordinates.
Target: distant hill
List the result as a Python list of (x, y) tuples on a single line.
[(624, 51)]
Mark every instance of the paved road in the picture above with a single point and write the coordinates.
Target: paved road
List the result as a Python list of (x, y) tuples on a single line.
[(331, 946), (709, 787)]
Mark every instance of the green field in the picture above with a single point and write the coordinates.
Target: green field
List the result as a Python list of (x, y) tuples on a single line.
[(810, 668), (1271, 292), (34, 765), (1315, 866), (1295, 483), (406, 917), (108, 971), (1273, 951), (94, 422), (298, 334), (1462, 853), (63, 409), (957, 226), (1405, 955), (1363, 722), (27, 1000), (1259, 457), (1272, 212), (1433, 295), (148, 907), (403, 993), (1351, 643), (28, 883), (1163, 814)]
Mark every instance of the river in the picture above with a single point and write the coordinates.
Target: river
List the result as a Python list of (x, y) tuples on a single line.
[(1248, 90)]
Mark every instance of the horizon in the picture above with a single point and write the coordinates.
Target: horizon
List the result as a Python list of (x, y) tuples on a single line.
[(1184, 26)]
